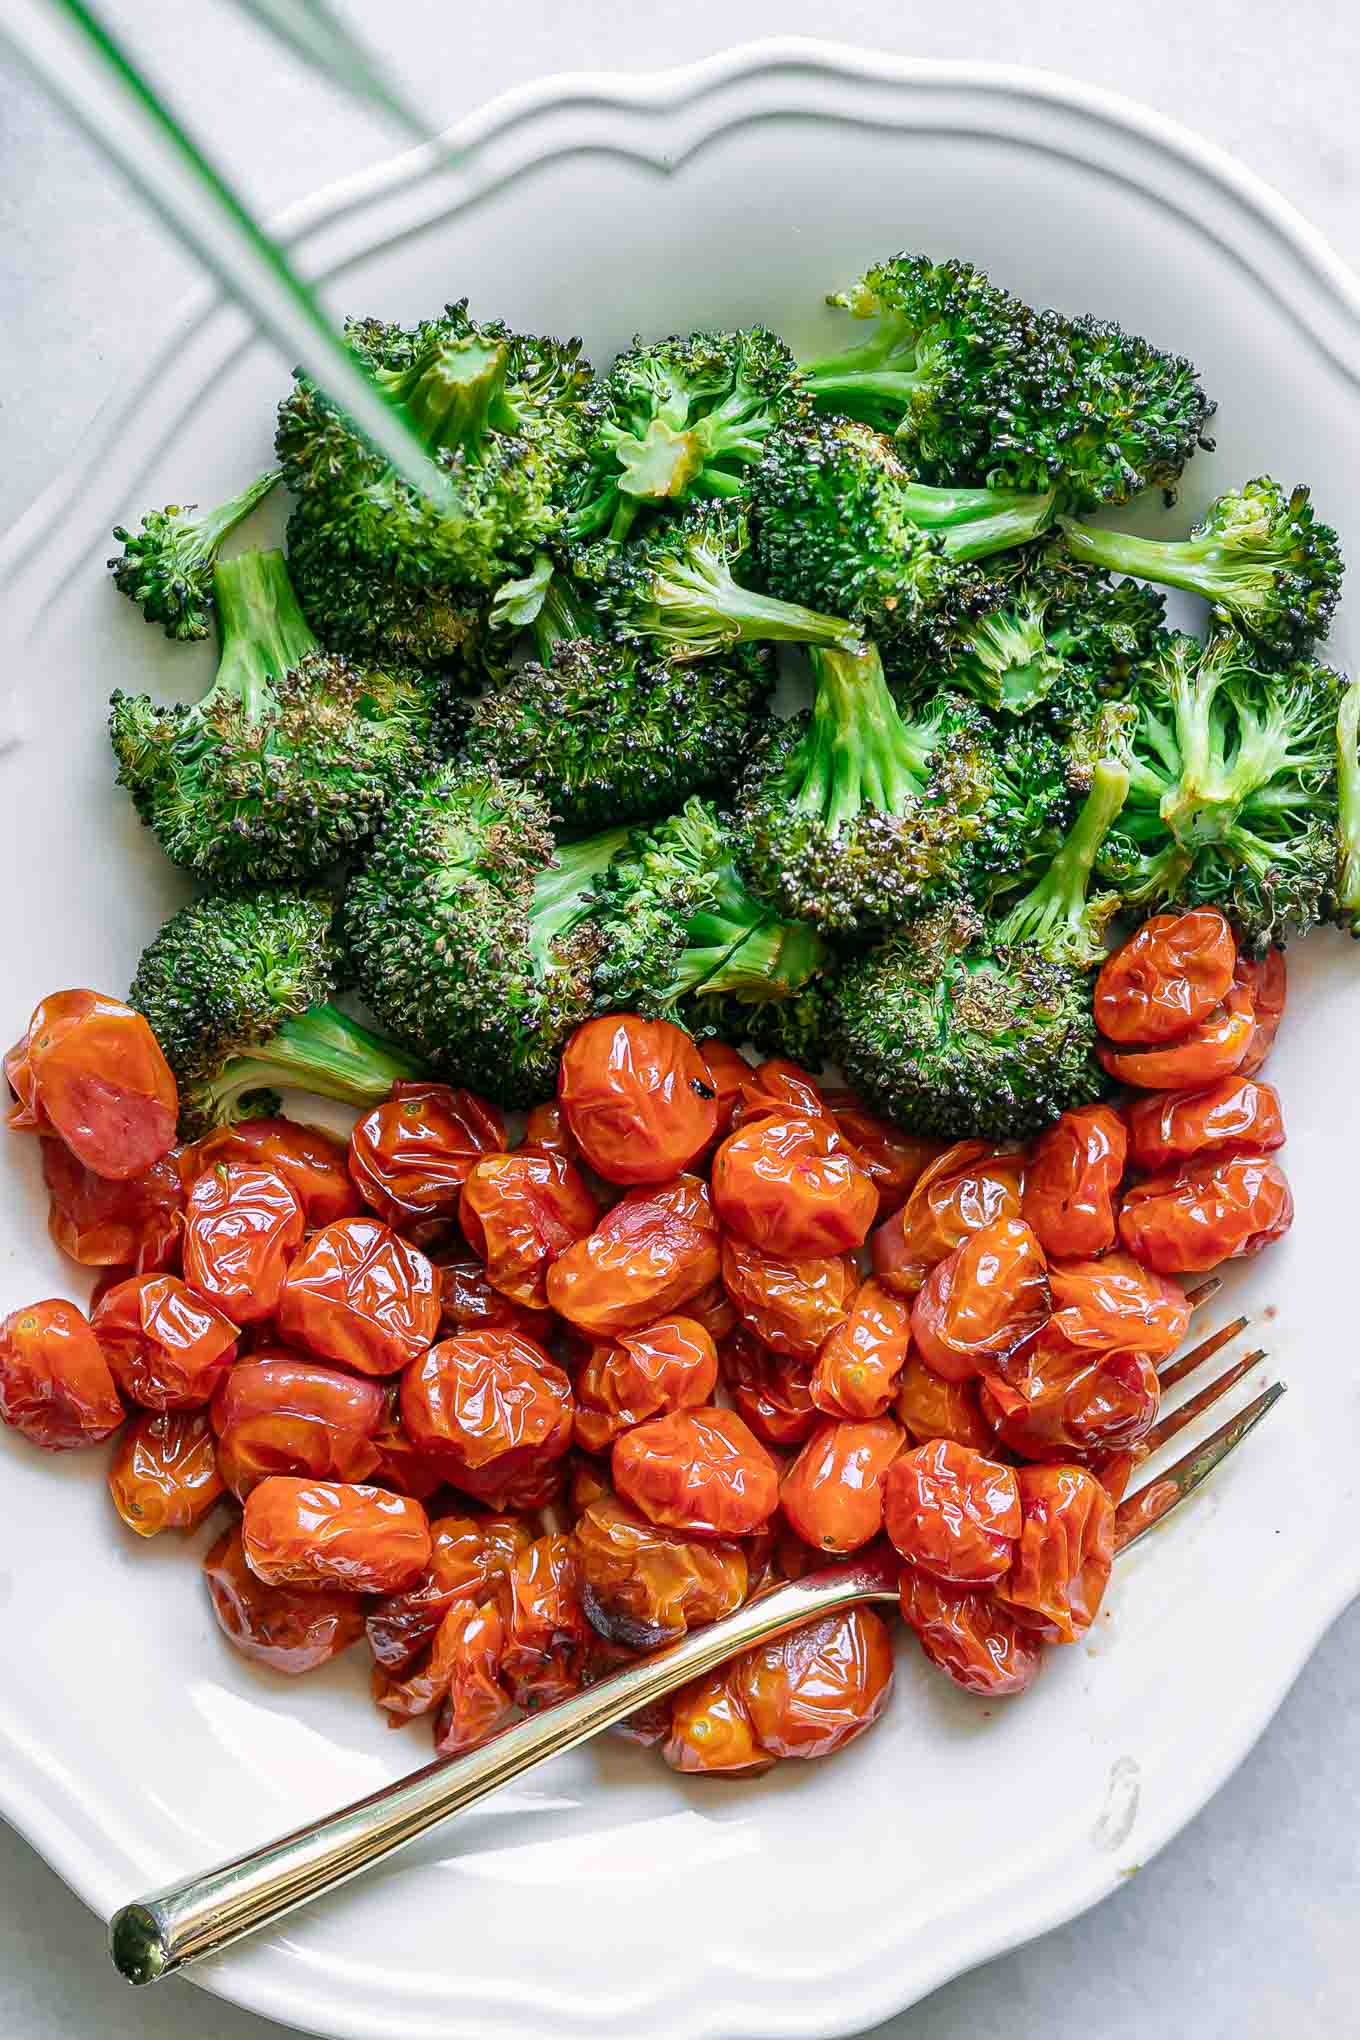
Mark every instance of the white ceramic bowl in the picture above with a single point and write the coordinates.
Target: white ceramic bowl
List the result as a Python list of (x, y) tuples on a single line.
[(609, 1897)]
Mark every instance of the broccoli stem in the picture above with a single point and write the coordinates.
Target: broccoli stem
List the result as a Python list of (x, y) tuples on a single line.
[(975, 522), (263, 630), (735, 945), (322, 1051), (859, 751), (1056, 914), (1348, 807), (454, 393), (1201, 566), (1007, 660), (564, 891), (211, 529), (696, 602)]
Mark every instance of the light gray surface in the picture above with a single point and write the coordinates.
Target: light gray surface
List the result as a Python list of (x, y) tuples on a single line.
[(1245, 1927)]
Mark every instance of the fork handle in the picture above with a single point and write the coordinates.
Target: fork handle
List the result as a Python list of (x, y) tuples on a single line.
[(203, 1915)]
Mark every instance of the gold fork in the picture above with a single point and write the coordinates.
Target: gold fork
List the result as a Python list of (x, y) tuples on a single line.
[(205, 1914)]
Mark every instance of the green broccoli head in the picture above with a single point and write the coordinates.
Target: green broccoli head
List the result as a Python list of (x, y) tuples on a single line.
[(1020, 794), (1258, 556), (291, 758), (361, 608), (166, 567)]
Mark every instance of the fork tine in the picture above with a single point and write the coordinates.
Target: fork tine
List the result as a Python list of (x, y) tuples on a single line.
[(1172, 1376), (1138, 1512), (1205, 1293), (1195, 1405)]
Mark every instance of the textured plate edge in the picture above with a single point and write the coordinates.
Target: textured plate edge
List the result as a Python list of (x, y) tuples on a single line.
[(42, 544)]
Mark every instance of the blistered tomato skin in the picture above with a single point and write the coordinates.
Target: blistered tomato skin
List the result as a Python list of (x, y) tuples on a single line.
[(809, 1693), (1267, 980), (242, 1227), (468, 1556), (780, 1086), (1236, 1115), (1075, 1403), (832, 1495), (135, 1224), (1166, 978), (476, 1705), (91, 1071), (1064, 1554), (1185, 1222), (711, 1732), (289, 1629), (285, 1414), (547, 1636), (638, 1097), (699, 1470), (858, 1366), (469, 1303), (1113, 1302), (963, 1189), (929, 1407), (968, 1636), (56, 1389), (730, 1072), (167, 1347), (312, 1163), (788, 1185), (358, 1294), (332, 1534), (427, 1684), (642, 1586), (401, 1465), (790, 1306), (1213, 1048), (164, 1473), (410, 1156), (983, 1305), (1072, 1182), (519, 1213), (952, 1512), (894, 1159), (672, 1365), (650, 1253), (491, 1409), (770, 1391)]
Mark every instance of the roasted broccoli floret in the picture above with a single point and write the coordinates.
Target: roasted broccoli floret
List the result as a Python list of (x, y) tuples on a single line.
[(1233, 796), (503, 415), (981, 388), (237, 993), (683, 419), (676, 587), (359, 607), (166, 567), (606, 733), (1258, 556), (963, 1027), (293, 755)]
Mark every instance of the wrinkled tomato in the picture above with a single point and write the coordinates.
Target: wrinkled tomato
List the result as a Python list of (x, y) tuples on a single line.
[(468, 1556), (968, 1636), (1073, 1180), (91, 1071), (56, 1389), (290, 1629), (963, 1189), (334, 1534), (649, 1254), (1267, 981), (711, 1730), (1074, 1402), (400, 1464), (809, 1693), (358, 1294), (780, 1087), (893, 1159), (545, 1128), (284, 1414), (638, 1096), (859, 1364), (468, 1303), (832, 1495), (135, 1224), (493, 1411), (410, 1156), (729, 1071), (1166, 978), (167, 1348), (952, 1513), (242, 1227), (1066, 1548), (1213, 1048), (770, 1391), (983, 1305), (788, 1185), (164, 1473), (1207, 1212), (931, 1407), (476, 1705), (519, 1213), (714, 1310), (1234, 1116), (311, 1161), (699, 1470), (428, 1684), (1115, 1302), (547, 1635), (789, 1306), (643, 1586), (673, 1365)]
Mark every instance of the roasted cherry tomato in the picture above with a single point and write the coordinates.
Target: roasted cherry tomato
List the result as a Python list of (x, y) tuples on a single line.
[(135, 1224), (638, 1096), (476, 1705), (700, 1470), (91, 1071), (55, 1385), (1114, 1302), (1073, 1180), (730, 1072), (643, 1585), (779, 1086), (771, 1391), (1212, 1049), (983, 1305), (284, 1414), (410, 1156), (491, 1409), (963, 1631), (468, 1556), (814, 1690), (1232, 1117), (167, 1347), (429, 1683), (789, 1185), (333, 1534), (547, 1635), (649, 1254), (962, 1190), (468, 1303), (358, 1294), (931, 1407), (714, 1310), (545, 1128), (401, 1465), (1066, 1548), (164, 1473), (673, 1365), (893, 1159), (1265, 978), (790, 1306), (242, 1227), (1166, 978), (290, 1629), (952, 1513), (312, 1163), (857, 1368), (1074, 1402), (711, 1730), (833, 1493), (1207, 1212), (520, 1213)]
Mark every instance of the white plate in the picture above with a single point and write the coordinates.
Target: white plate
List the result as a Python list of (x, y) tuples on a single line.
[(610, 1897)]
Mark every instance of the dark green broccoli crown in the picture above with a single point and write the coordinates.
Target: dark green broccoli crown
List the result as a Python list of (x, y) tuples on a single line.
[(166, 567), (1020, 793), (949, 1034), (676, 586), (1058, 914), (1137, 416), (1258, 556), (684, 419), (468, 931), (359, 607), (1233, 794), (503, 415), (798, 1027), (291, 758)]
